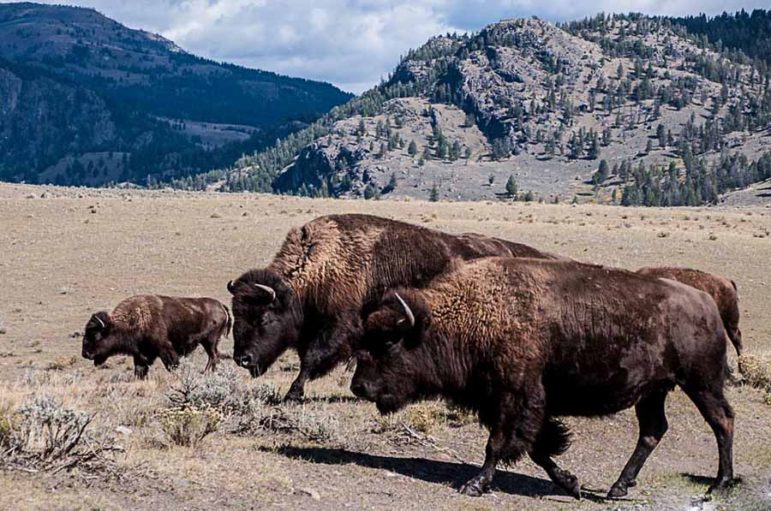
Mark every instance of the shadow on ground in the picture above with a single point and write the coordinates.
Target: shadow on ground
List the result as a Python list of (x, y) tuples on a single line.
[(432, 471)]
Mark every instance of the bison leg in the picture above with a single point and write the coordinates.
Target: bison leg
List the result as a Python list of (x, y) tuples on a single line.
[(315, 363), (297, 390), (330, 348), (513, 434), (141, 366), (210, 346), (553, 440), (480, 483), (652, 422), (720, 416)]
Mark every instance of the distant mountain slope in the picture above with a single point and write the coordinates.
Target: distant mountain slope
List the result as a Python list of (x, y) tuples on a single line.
[(530, 106), (86, 100)]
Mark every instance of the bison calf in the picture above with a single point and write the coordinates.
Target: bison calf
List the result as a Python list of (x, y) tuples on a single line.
[(521, 341), (721, 289), (147, 327)]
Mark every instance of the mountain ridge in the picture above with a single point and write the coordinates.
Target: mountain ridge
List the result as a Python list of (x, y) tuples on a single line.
[(551, 102), (170, 112)]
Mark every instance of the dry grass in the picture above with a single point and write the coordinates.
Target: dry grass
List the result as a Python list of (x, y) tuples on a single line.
[(331, 451)]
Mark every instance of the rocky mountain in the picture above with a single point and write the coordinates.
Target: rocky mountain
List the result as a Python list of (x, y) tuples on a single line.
[(86, 100), (627, 109)]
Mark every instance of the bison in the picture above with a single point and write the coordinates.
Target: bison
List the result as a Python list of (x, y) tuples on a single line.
[(721, 289), (312, 294), (148, 326), (523, 341)]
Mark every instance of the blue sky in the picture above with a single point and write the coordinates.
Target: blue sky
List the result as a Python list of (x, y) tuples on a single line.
[(351, 43)]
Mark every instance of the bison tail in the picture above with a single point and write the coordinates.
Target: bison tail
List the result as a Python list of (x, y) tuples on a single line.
[(229, 322), (735, 336), (553, 439)]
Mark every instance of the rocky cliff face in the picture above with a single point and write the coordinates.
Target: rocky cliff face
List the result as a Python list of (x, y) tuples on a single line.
[(543, 105)]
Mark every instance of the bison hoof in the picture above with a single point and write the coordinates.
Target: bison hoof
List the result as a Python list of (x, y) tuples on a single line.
[(721, 485), (474, 488), (570, 484), (294, 395), (617, 491)]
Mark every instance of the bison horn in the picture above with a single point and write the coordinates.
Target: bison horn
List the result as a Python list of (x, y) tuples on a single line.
[(99, 320), (231, 288), (268, 290), (407, 310)]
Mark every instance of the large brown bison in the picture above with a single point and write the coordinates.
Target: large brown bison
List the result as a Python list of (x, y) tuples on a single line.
[(721, 289), (521, 341), (147, 327), (312, 294)]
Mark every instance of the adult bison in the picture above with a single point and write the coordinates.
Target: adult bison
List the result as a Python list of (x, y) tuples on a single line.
[(148, 326), (328, 271), (721, 289), (521, 341)]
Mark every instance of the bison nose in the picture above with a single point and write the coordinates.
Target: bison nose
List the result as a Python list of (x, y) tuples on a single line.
[(87, 355), (244, 360)]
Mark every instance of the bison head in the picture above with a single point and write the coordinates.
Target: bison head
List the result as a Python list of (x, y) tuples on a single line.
[(391, 359), (266, 319), (96, 345)]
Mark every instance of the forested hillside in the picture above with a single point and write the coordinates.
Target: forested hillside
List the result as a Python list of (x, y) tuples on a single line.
[(86, 100), (625, 109)]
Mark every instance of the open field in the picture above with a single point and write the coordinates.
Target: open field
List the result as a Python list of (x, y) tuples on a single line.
[(69, 252)]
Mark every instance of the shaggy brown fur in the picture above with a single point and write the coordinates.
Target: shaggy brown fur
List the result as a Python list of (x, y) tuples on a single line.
[(327, 272), (148, 326), (521, 341), (721, 289)]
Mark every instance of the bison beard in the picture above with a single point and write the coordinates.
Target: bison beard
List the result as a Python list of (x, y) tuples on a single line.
[(523, 341), (326, 275)]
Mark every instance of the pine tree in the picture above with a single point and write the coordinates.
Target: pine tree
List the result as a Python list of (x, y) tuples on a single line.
[(511, 186), (602, 173), (371, 191), (412, 149), (391, 186), (594, 147), (661, 134), (434, 195)]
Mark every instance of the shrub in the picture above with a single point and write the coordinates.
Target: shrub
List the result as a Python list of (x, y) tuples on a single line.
[(756, 371), (220, 390), (48, 430), (312, 423), (188, 426), (44, 435), (199, 404)]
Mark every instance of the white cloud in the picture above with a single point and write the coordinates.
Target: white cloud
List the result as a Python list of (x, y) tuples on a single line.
[(351, 43)]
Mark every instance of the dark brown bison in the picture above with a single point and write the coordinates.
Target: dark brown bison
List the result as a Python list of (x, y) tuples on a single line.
[(521, 341), (326, 273), (721, 289), (148, 326)]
